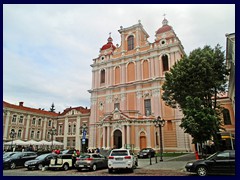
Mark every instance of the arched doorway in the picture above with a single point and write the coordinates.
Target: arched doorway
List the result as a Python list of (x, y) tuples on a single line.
[(143, 143), (117, 141)]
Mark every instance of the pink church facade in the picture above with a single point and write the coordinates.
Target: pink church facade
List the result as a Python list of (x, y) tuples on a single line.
[(127, 88)]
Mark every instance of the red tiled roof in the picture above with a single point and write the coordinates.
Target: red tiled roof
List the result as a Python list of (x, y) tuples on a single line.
[(23, 108), (108, 45), (80, 108)]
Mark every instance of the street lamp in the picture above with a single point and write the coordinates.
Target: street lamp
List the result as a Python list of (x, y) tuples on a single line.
[(160, 123), (12, 135), (83, 131), (53, 132)]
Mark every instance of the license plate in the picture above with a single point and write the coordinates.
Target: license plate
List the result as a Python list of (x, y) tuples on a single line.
[(119, 159)]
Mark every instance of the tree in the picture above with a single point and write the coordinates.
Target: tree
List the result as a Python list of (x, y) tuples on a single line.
[(193, 84), (52, 109)]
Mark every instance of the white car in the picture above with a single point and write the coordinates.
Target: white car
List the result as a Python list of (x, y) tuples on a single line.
[(121, 159)]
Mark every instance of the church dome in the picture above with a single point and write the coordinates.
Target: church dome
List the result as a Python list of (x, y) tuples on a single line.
[(108, 45), (165, 27)]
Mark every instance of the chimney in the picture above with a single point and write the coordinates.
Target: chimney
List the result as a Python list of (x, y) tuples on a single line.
[(20, 103)]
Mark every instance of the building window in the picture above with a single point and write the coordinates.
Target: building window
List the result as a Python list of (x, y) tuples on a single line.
[(33, 121), (49, 135), (130, 42), (102, 80), (60, 130), (38, 135), (21, 119), (147, 106), (14, 119), (73, 143), (74, 128), (68, 143), (39, 122), (32, 134), (69, 129), (226, 117), (165, 62), (49, 123), (116, 105), (19, 134)]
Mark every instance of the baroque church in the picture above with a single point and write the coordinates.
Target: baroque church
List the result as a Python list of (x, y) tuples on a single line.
[(127, 88)]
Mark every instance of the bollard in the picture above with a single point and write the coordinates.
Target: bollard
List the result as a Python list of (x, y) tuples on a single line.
[(150, 159)]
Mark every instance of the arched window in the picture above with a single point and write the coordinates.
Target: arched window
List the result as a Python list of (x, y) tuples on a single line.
[(102, 80), (38, 135), (33, 121), (69, 129), (130, 42), (32, 134), (74, 128), (19, 133), (226, 117), (39, 122), (60, 130), (165, 62), (117, 75), (131, 72)]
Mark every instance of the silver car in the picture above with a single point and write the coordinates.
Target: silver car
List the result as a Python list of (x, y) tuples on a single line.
[(91, 161)]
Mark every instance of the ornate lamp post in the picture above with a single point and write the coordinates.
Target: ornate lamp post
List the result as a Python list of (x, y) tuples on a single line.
[(53, 132), (12, 135), (160, 123), (83, 131)]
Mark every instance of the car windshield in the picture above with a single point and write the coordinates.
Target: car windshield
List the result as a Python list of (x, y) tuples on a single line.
[(42, 156), (16, 155), (8, 154), (211, 156), (119, 153), (145, 150)]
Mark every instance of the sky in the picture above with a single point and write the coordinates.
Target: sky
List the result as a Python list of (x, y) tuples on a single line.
[(48, 49)]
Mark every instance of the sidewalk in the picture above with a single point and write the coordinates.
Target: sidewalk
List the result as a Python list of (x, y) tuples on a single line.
[(168, 163)]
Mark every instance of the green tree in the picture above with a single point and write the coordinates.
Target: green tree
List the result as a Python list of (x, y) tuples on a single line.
[(52, 109), (195, 81)]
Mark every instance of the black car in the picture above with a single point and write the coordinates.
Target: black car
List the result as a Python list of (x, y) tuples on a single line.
[(219, 163), (91, 161), (146, 153), (40, 161), (18, 159), (8, 154)]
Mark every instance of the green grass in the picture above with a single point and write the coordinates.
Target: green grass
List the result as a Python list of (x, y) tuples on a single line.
[(171, 154)]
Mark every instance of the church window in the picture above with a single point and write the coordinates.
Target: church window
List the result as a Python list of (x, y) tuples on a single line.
[(165, 62), (147, 105), (130, 42), (102, 76), (226, 117)]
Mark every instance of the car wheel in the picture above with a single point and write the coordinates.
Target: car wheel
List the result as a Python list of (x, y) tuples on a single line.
[(94, 167), (40, 166), (79, 169), (110, 171), (201, 171), (65, 167), (12, 165)]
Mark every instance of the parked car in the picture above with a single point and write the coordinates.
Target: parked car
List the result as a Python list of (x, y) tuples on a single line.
[(40, 161), (219, 163), (146, 153), (18, 159), (68, 151), (62, 161), (91, 161), (122, 159)]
